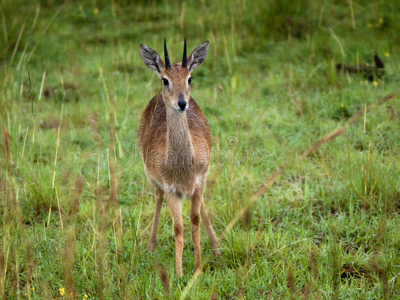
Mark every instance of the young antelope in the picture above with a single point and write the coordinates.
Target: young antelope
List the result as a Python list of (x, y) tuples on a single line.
[(175, 145)]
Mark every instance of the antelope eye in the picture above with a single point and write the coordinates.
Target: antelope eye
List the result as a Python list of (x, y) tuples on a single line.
[(190, 80), (165, 81)]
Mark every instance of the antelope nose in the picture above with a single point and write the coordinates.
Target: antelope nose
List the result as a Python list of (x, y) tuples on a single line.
[(182, 104)]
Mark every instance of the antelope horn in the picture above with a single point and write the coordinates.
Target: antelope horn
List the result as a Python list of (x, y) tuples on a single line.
[(167, 63), (184, 58)]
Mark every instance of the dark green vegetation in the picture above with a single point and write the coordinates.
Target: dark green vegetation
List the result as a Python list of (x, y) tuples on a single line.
[(76, 208)]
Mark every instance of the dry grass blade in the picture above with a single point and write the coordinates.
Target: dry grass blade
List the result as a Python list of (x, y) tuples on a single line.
[(291, 281), (268, 183), (325, 139), (190, 284), (6, 141)]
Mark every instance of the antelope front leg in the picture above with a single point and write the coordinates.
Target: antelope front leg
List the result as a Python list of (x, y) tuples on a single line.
[(175, 206), (159, 195), (195, 220)]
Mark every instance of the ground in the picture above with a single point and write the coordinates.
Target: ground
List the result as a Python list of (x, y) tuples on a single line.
[(76, 208)]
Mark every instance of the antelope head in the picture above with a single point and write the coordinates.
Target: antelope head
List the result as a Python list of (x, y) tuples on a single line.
[(175, 78)]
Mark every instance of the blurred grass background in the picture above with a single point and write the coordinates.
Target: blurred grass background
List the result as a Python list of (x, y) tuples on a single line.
[(76, 208)]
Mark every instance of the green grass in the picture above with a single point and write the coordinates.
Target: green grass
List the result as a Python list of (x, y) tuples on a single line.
[(76, 208)]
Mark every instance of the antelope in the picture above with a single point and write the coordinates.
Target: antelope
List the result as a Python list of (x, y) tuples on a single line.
[(175, 145)]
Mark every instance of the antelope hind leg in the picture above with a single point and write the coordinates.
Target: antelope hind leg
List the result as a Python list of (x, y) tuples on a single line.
[(211, 234), (159, 195)]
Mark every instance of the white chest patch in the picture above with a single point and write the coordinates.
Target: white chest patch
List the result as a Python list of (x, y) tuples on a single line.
[(171, 188), (198, 181)]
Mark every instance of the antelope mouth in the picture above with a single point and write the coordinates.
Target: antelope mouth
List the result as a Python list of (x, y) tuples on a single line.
[(182, 110)]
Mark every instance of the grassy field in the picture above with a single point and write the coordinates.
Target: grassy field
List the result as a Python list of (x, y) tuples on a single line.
[(76, 209)]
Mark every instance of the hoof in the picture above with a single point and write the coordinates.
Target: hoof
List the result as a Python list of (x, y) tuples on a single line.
[(216, 248), (152, 246), (198, 269), (179, 273)]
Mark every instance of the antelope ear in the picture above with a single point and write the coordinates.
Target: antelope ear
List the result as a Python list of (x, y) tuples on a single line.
[(151, 59), (198, 55)]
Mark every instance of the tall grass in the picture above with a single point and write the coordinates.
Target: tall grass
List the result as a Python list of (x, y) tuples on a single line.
[(76, 208)]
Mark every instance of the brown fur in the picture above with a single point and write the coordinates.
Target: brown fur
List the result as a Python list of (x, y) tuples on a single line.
[(174, 163), (176, 150)]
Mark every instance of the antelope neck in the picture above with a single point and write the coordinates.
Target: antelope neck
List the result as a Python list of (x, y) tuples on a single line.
[(179, 142)]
